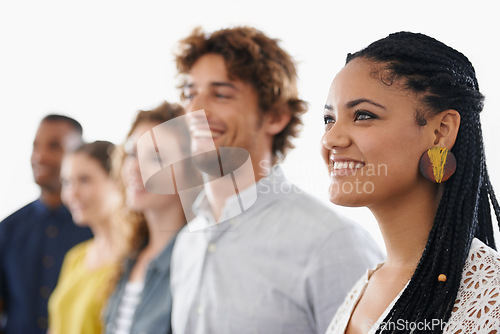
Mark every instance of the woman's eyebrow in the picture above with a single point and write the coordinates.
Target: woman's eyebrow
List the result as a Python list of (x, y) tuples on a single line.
[(353, 103)]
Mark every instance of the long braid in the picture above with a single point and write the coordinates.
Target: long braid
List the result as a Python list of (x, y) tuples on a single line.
[(446, 80)]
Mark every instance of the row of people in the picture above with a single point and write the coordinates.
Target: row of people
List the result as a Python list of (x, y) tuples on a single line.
[(256, 260), (134, 233)]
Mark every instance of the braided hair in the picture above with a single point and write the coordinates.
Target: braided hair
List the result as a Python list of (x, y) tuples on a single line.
[(445, 79)]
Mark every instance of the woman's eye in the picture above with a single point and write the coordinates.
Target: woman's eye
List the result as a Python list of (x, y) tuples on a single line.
[(84, 179), (222, 96), (188, 94), (362, 115), (328, 119)]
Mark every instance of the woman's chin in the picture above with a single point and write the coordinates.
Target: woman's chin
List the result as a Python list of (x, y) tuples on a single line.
[(347, 200), (135, 205), (80, 221)]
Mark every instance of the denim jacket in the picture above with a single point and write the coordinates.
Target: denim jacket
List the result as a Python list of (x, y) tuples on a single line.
[(152, 315)]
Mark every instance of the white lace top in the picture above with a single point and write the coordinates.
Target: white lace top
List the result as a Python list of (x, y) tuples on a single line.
[(477, 307)]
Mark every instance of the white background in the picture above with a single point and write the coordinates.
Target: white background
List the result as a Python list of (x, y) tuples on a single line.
[(101, 61)]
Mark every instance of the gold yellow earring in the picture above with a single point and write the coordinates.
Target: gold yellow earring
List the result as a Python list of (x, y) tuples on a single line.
[(437, 164)]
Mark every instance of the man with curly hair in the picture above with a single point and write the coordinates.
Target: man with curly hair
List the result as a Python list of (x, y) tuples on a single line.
[(285, 263)]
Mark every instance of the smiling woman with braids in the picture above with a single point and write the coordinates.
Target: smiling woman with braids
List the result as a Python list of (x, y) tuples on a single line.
[(397, 107)]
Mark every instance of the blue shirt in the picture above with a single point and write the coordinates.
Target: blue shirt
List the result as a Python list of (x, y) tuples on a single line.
[(283, 266), (33, 242), (152, 315)]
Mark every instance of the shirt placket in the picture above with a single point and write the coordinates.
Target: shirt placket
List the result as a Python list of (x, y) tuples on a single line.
[(47, 265), (202, 301)]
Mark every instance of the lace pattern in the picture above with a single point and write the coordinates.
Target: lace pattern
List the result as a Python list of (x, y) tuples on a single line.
[(477, 307)]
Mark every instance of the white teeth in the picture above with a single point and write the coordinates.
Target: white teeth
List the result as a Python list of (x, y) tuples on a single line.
[(347, 164), (205, 134), (202, 134)]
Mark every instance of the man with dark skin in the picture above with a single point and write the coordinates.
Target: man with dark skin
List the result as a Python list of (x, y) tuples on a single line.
[(52, 140), (34, 239)]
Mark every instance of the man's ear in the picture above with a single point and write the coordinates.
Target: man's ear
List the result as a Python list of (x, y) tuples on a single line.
[(276, 121), (446, 125)]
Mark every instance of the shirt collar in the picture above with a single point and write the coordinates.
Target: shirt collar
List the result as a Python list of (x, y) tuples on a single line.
[(43, 209), (162, 261), (268, 189)]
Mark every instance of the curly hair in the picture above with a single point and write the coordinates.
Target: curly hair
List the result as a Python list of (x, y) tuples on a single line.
[(444, 79), (252, 57)]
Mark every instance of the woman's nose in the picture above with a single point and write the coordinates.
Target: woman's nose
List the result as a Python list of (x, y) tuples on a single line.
[(336, 136)]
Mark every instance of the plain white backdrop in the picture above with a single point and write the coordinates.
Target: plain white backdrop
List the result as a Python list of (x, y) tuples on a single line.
[(101, 61)]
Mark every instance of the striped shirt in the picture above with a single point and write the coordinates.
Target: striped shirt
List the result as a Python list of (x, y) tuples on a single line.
[(130, 300)]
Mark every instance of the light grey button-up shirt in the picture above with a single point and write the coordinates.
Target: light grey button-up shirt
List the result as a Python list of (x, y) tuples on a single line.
[(281, 267)]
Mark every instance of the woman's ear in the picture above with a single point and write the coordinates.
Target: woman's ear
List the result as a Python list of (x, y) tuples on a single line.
[(446, 125)]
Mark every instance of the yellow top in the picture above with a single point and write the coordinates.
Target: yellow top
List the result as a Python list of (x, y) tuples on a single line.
[(77, 302)]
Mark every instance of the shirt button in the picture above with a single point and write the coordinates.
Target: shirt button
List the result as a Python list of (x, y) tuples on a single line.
[(45, 292), (199, 310), (42, 322), (212, 247), (52, 231), (48, 261)]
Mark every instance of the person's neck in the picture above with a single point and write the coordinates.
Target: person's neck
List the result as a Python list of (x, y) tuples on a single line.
[(405, 223), (51, 197), (163, 224), (104, 247), (219, 189)]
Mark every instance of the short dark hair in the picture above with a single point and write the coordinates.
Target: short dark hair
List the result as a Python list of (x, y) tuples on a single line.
[(62, 118)]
